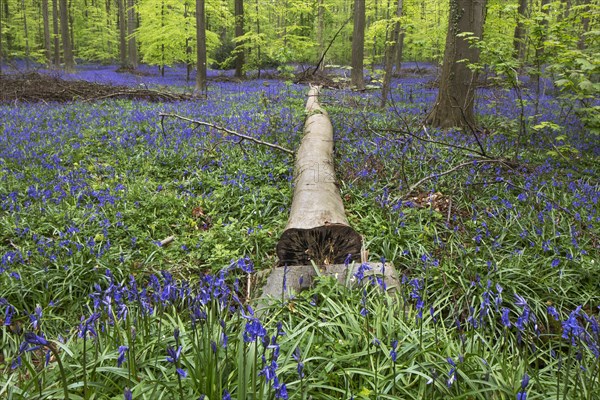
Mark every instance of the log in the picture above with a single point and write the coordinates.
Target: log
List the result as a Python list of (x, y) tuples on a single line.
[(317, 229), (284, 283)]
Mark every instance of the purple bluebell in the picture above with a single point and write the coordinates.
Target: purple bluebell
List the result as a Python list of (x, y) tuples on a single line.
[(122, 352)]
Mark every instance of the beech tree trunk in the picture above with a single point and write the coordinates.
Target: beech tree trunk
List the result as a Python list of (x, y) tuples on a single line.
[(520, 34), (1, 37), (320, 31), (358, 45), (201, 47), (122, 34), (456, 96), (317, 229), (25, 32), (390, 55), (66, 37), (55, 33), (47, 41), (132, 45), (239, 32)]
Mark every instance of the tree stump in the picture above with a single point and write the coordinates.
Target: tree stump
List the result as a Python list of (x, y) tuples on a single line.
[(317, 229)]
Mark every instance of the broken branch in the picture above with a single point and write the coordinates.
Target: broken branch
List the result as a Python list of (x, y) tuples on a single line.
[(229, 131)]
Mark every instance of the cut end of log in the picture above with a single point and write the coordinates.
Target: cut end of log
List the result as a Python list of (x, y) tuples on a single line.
[(323, 245)]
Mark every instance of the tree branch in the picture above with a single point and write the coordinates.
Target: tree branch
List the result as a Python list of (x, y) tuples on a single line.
[(229, 131)]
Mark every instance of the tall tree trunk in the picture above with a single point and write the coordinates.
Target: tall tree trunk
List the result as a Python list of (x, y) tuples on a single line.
[(539, 48), (201, 47), (358, 45), (258, 50), (585, 24), (374, 49), (25, 32), (132, 45), (47, 41), (122, 34), (239, 32), (55, 33), (456, 96), (320, 31), (1, 38), (188, 40), (520, 34), (390, 54), (399, 50), (66, 37)]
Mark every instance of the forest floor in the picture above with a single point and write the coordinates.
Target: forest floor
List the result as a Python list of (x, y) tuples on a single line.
[(35, 87)]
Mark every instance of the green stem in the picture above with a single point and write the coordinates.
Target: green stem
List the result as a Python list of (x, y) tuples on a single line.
[(84, 366), (62, 371)]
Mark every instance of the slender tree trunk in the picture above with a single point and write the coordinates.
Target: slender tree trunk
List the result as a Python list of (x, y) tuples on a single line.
[(122, 34), (456, 97), (585, 24), (201, 49), (520, 34), (1, 38), (188, 47), (25, 32), (539, 48), (47, 41), (320, 30), (66, 37), (239, 32), (399, 49), (374, 50), (358, 45), (390, 54), (55, 33), (258, 51), (132, 45)]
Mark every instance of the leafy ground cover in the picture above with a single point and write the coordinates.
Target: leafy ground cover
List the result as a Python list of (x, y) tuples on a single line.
[(494, 234)]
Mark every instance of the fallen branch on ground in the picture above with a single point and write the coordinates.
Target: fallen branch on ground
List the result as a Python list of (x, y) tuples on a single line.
[(229, 131)]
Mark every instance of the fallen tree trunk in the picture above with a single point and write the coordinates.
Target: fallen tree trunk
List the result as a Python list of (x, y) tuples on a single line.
[(317, 229)]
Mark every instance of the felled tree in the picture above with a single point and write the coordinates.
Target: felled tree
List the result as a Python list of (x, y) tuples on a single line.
[(317, 229)]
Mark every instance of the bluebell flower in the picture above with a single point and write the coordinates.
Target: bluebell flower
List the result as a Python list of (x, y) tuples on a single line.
[(36, 317), (393, 353), (571, 327), (173, 355), (226, 395), (127, 394), (552, 311), (181, 372), (32, 338), (505, 319), (121, 358)]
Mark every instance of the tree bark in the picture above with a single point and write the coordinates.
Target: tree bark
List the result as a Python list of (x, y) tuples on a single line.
[(456, 96), (585, 24), (390, 53), (25, 32), (201, 47), (520, 34), (132, 44), (66, 37), (47, 41), (239, 32), (55, 33), (1, 36), (317, 229), (122, 34), (358, 45), (320, 31)]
